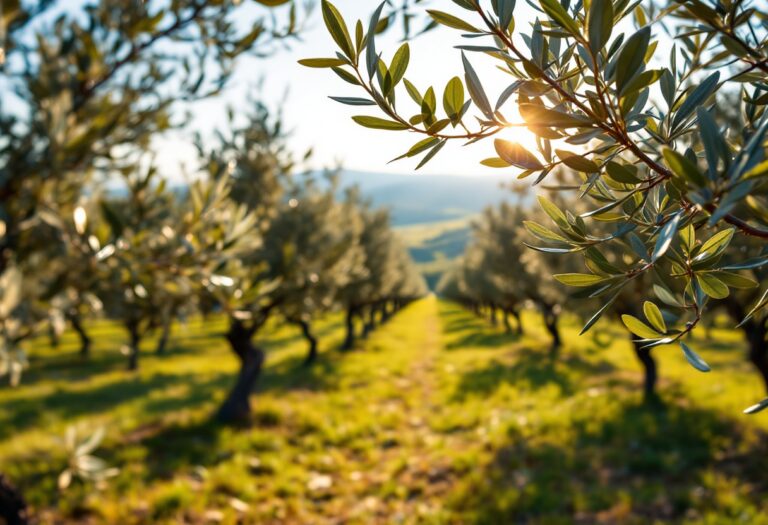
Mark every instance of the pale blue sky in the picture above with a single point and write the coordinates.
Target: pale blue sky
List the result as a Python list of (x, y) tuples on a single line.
[(326, 126)]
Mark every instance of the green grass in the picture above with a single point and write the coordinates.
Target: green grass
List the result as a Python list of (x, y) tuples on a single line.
[(437, 418)]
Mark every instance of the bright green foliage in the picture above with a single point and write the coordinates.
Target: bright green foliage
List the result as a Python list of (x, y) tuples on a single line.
[(647, 142)]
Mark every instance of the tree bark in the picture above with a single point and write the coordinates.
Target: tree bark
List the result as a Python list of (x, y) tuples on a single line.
[(349, 339), (493, 317), (650, 372), (366, 327), (758, 349), (383, 312), (306, 330), (505, 318), (237, 406), (165, 333), (133, 345), (369, 324), (518, 321), (53, 337), (755, 332), (550, 320), (85, 340), (13, 508)]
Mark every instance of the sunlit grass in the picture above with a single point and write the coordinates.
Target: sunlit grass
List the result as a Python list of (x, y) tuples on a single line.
[(438, 418)]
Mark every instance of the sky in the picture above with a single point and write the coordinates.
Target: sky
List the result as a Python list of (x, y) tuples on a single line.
[(325, 126)]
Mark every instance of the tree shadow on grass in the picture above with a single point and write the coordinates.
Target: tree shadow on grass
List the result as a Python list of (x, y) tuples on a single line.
[(70, 366), (291, 374), (482, 338), (72, 403), (530, 369), (173, 448), (465, 330), (642, 464), (73, 398)]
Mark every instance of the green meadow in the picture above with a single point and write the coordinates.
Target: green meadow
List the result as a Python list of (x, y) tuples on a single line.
[(437, 417)]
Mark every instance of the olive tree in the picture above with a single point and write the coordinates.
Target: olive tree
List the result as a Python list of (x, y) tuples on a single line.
[(138, 282), (591, 83), (251, 157), (77, 265), (312, 248)]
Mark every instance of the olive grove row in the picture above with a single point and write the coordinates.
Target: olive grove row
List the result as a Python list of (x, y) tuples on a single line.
[(251, 238)]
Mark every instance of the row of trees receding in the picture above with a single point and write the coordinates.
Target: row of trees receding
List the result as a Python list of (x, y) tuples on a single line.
[(498, 276), (87, 92), (89, 226)]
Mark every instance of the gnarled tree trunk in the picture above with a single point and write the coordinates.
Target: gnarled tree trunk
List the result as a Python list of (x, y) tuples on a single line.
[(306, 330), (518, 321), (53, 336), (85, 340), (165, 334), (755, 332), (13, 508), (370, 323), (550, 320), (650, 372), (383, 312), (133, 345), (349, 339), (237, 406), (758, 348), (505, 318)]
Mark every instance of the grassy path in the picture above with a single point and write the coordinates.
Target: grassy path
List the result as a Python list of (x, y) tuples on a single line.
[(437, 418)]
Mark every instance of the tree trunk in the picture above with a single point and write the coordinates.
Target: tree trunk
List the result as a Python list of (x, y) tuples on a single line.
[(383, 312), (349, 340), (365, 319), (133, 345), (550, 320), (494, 319), (518, 321), (237, 406), (13, 508), (165, 334), (650, 372), (505, 318), (370, 323), (758, 347), (755, 332), (85, 340), (306, 330), (53, 337)]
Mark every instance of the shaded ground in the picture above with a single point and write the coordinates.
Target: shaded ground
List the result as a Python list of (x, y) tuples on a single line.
[(437, 418)]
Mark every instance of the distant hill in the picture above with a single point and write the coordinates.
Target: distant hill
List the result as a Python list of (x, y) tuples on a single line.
[(433, 213), (418, 199)]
